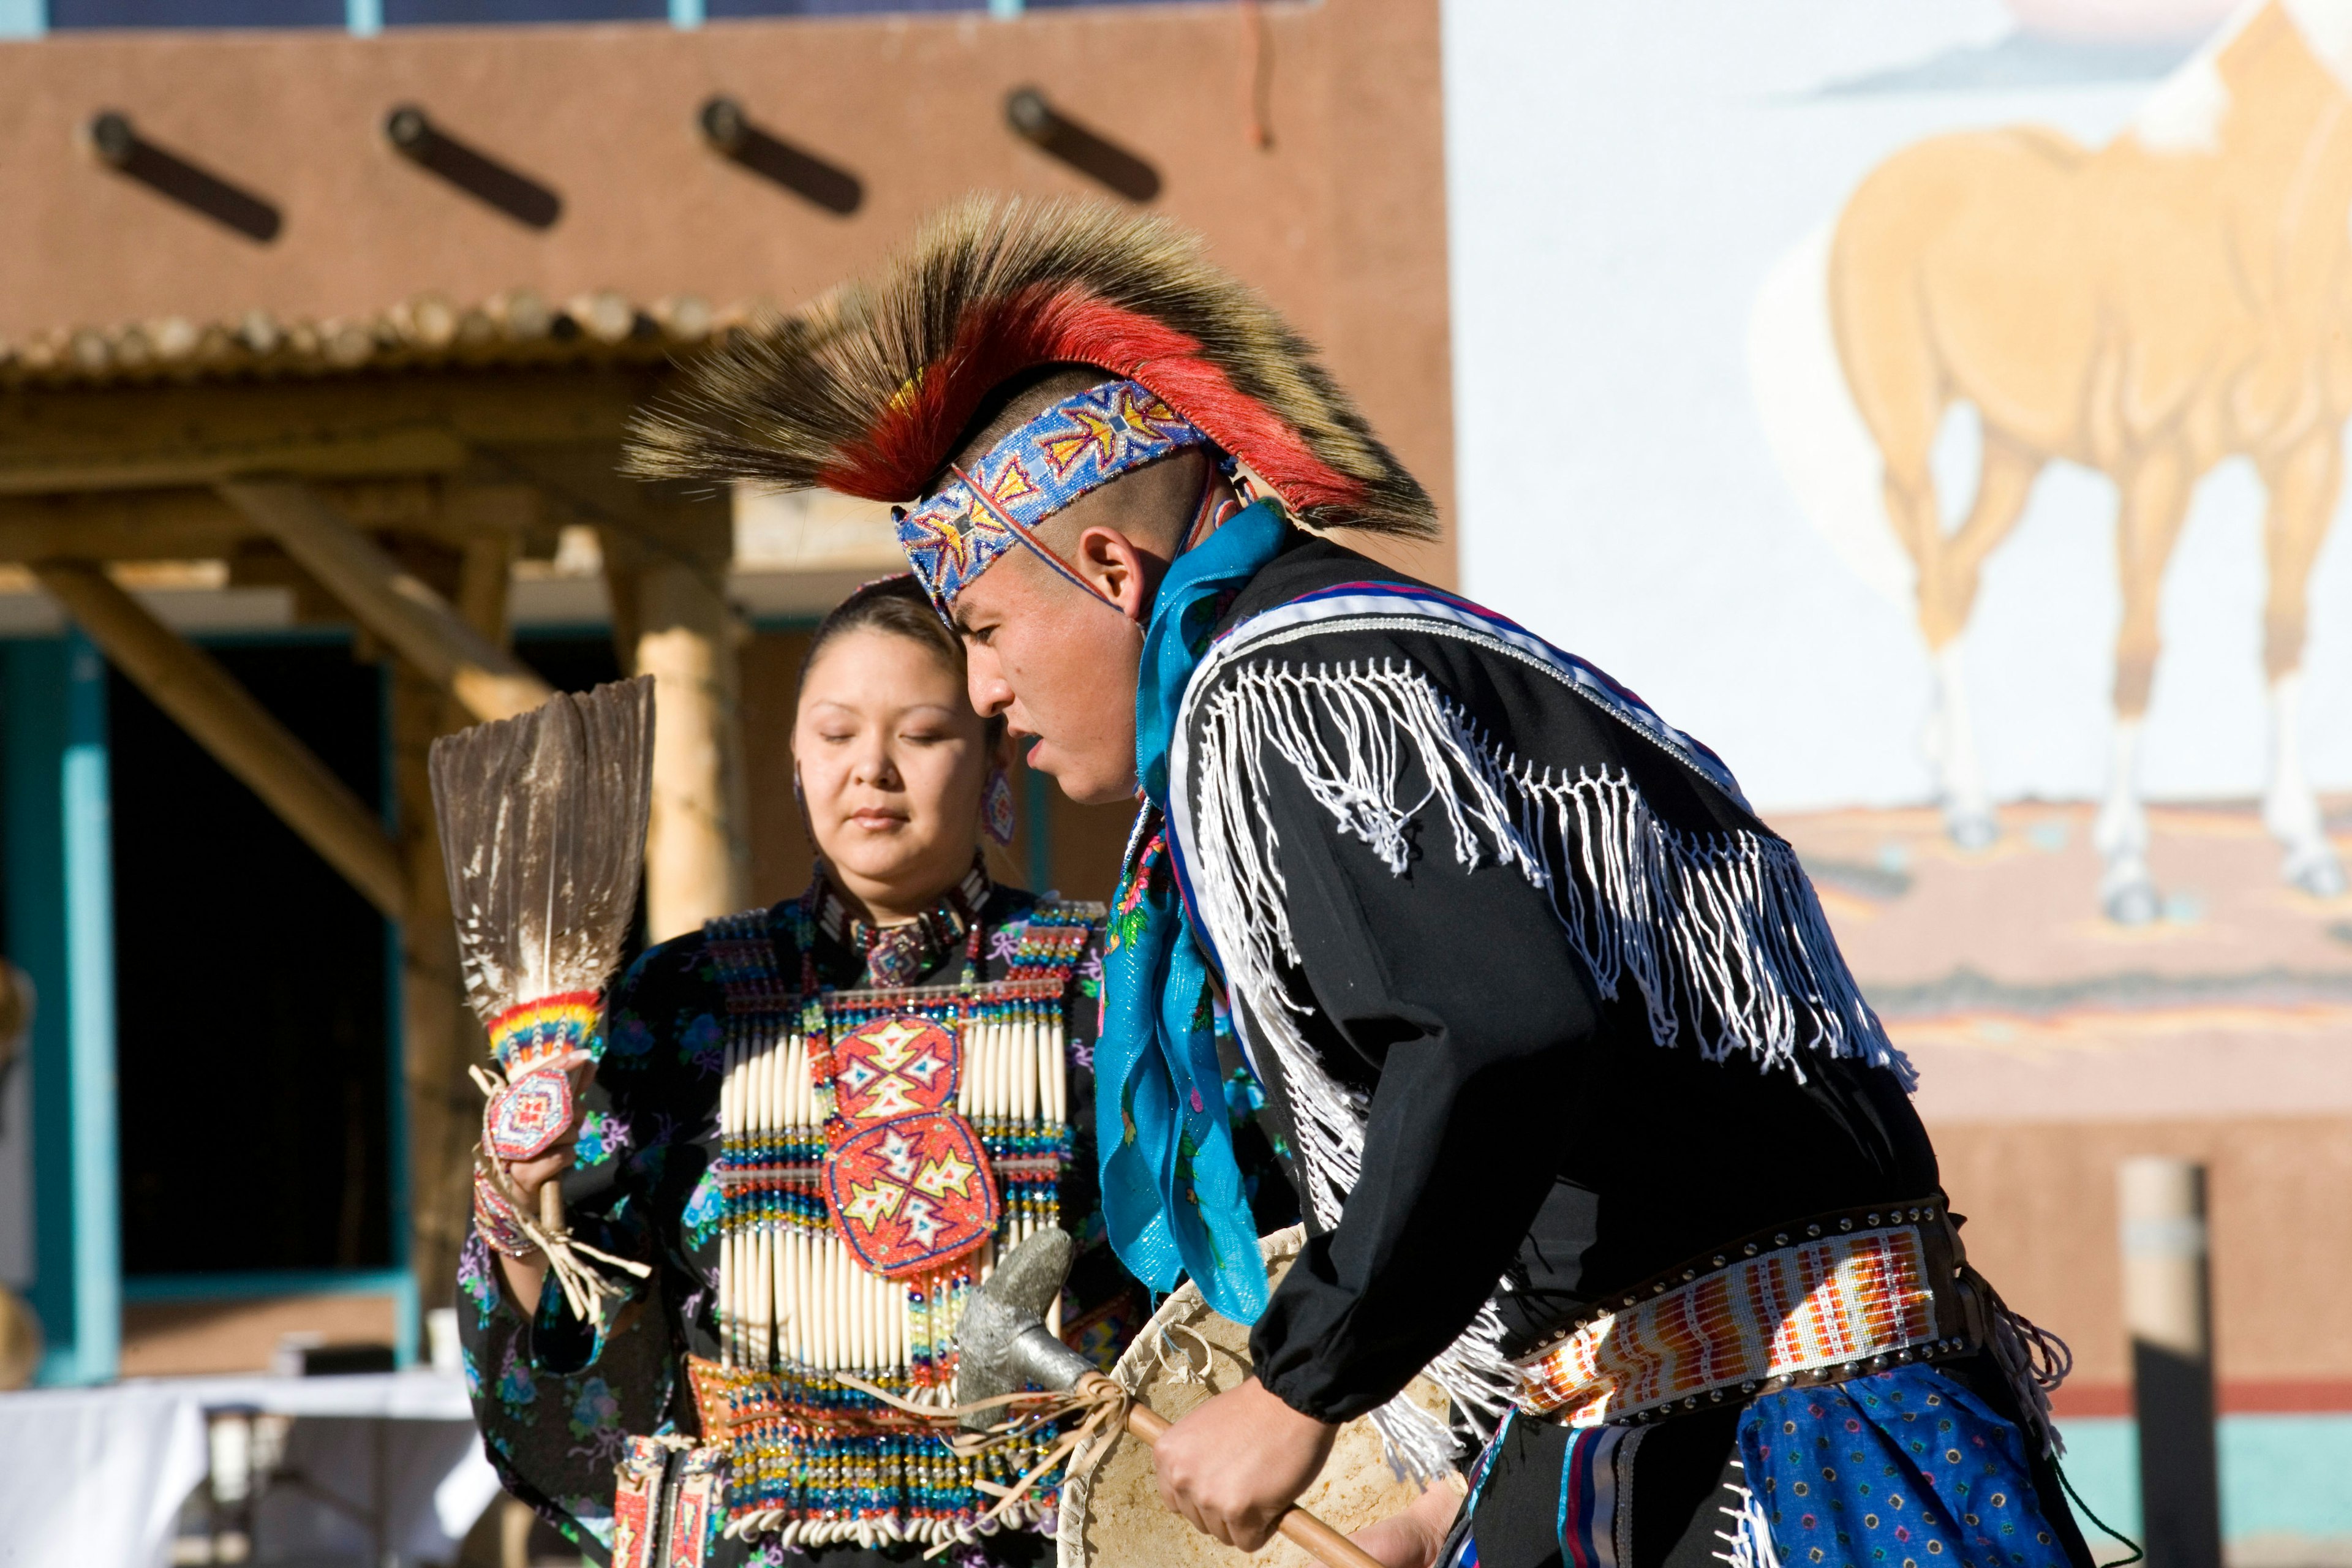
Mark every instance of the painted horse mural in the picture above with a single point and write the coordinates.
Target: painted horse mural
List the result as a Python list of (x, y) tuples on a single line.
[(2146, 309)]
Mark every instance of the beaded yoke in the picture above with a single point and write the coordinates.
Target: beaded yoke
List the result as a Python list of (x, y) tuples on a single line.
[(879, 1149)]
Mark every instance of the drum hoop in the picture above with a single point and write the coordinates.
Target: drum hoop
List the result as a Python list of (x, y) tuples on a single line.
[(1136, 1364)]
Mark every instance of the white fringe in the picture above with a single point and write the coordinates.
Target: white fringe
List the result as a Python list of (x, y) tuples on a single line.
[(1721, 932), (1749, 1543)]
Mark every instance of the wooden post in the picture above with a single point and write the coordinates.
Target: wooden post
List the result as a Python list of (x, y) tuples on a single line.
[(698, 844), (438, 1035), (2168, 1310), (205, 700), (411, 616)]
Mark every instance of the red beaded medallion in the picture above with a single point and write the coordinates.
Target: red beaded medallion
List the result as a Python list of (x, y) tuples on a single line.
[(909, 1185)]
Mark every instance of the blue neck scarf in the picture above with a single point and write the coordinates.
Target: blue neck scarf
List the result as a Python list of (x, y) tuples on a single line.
[(1171, 1190)]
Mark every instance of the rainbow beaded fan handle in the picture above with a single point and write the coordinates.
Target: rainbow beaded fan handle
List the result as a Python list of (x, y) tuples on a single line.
[(542, 835)]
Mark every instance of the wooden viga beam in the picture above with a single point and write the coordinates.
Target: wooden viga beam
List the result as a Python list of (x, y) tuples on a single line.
[(418, 623), (205, 700)]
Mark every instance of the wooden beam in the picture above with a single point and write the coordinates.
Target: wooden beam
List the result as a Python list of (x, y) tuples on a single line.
[(193, 523), (145, 437), (203, 699), (418, 623), (390, 452), (441, 1036), (132, 525)]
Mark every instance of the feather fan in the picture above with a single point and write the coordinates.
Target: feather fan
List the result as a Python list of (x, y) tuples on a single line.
[(542, 835)]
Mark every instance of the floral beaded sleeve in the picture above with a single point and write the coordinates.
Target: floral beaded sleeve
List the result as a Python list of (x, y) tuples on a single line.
[(556, 1397)]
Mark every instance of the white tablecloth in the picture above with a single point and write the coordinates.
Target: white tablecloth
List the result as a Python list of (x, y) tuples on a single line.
[(97, 1476)]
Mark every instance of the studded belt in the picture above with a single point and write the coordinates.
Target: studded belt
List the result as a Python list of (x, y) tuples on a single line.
[(1829, 1298)]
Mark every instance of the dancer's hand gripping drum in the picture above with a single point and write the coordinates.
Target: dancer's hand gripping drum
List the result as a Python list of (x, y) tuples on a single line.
[(1003, 1345), (542, 822)]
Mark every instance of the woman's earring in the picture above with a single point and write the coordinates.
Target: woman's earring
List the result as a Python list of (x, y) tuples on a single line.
[(800, 805), (996, 808)]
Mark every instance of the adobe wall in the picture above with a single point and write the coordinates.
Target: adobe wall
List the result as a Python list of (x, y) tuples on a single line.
[(1340, 221), (2041, 1197)]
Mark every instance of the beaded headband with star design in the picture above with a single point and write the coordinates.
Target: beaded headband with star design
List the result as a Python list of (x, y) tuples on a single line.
[(1078, 444)]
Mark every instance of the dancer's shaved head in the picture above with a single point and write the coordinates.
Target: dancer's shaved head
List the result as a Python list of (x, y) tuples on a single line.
[(1157, 499)]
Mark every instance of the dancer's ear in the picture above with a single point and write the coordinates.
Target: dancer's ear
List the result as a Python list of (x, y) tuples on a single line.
[(1123, 571)]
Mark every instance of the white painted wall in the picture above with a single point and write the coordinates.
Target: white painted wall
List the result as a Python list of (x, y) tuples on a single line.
[(1623, 179)]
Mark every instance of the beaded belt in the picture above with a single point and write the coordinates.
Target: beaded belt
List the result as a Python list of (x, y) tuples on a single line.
[(1837, 1296)]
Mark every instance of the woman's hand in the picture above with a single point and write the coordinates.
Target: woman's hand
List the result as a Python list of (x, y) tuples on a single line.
[(1234, 1466), (525, 1277), (1413, 1539)]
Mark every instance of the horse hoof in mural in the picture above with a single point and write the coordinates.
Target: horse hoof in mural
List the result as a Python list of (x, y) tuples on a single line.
[(2133, 902), (1949, 745), (1972, 828), (2293, 818), (2315, 869), (2089, 304), (2126, 887)]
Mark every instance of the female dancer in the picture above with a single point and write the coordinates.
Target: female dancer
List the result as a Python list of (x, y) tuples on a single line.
[(742, 1081)]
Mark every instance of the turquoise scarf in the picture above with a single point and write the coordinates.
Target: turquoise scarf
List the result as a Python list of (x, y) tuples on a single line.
[(1171, 1190)]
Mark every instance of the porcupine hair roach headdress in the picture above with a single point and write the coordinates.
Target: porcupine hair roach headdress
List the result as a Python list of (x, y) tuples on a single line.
[(869, 391)]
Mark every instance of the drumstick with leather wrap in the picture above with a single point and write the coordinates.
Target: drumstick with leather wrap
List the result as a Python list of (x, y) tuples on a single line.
[(1003, 1345)]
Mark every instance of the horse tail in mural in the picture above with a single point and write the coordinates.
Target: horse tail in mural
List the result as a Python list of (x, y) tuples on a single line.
[(1831, 462)]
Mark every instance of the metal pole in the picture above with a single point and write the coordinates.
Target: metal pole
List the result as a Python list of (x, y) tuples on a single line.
[(2168, 1311)]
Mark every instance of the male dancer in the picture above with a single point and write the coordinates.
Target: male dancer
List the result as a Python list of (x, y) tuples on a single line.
[(1588, 1117)]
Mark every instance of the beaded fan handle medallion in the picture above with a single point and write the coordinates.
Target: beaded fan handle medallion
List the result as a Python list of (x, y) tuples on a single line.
[(533, 1109)]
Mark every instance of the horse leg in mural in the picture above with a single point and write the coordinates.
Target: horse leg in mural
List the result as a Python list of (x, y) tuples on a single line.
[(2304, 482), (1950, 567), (2155, 485), (1951, 741), (1898, 318)]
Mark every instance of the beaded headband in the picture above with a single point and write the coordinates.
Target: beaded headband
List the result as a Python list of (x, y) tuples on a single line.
[(1078, 444)]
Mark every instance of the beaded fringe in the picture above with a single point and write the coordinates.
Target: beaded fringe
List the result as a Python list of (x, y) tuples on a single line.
[(1721, 932)]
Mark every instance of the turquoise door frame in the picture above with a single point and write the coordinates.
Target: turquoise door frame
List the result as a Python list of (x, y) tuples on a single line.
[(57, 829), (55, 846)]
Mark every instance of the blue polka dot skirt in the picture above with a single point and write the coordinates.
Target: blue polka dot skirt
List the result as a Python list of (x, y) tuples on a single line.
[(1906, 1468)]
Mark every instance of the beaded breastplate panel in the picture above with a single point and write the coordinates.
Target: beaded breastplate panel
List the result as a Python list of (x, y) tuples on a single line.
[(879, 1149)]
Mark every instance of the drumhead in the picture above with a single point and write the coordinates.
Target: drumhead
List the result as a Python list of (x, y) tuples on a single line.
[(1185, 1356)]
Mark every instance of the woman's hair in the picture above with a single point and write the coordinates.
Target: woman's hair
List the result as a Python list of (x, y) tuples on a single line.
[(898, 607)]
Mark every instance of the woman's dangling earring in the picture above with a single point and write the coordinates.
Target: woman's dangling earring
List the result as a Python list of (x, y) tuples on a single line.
[(996, 808), (800, 803)]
